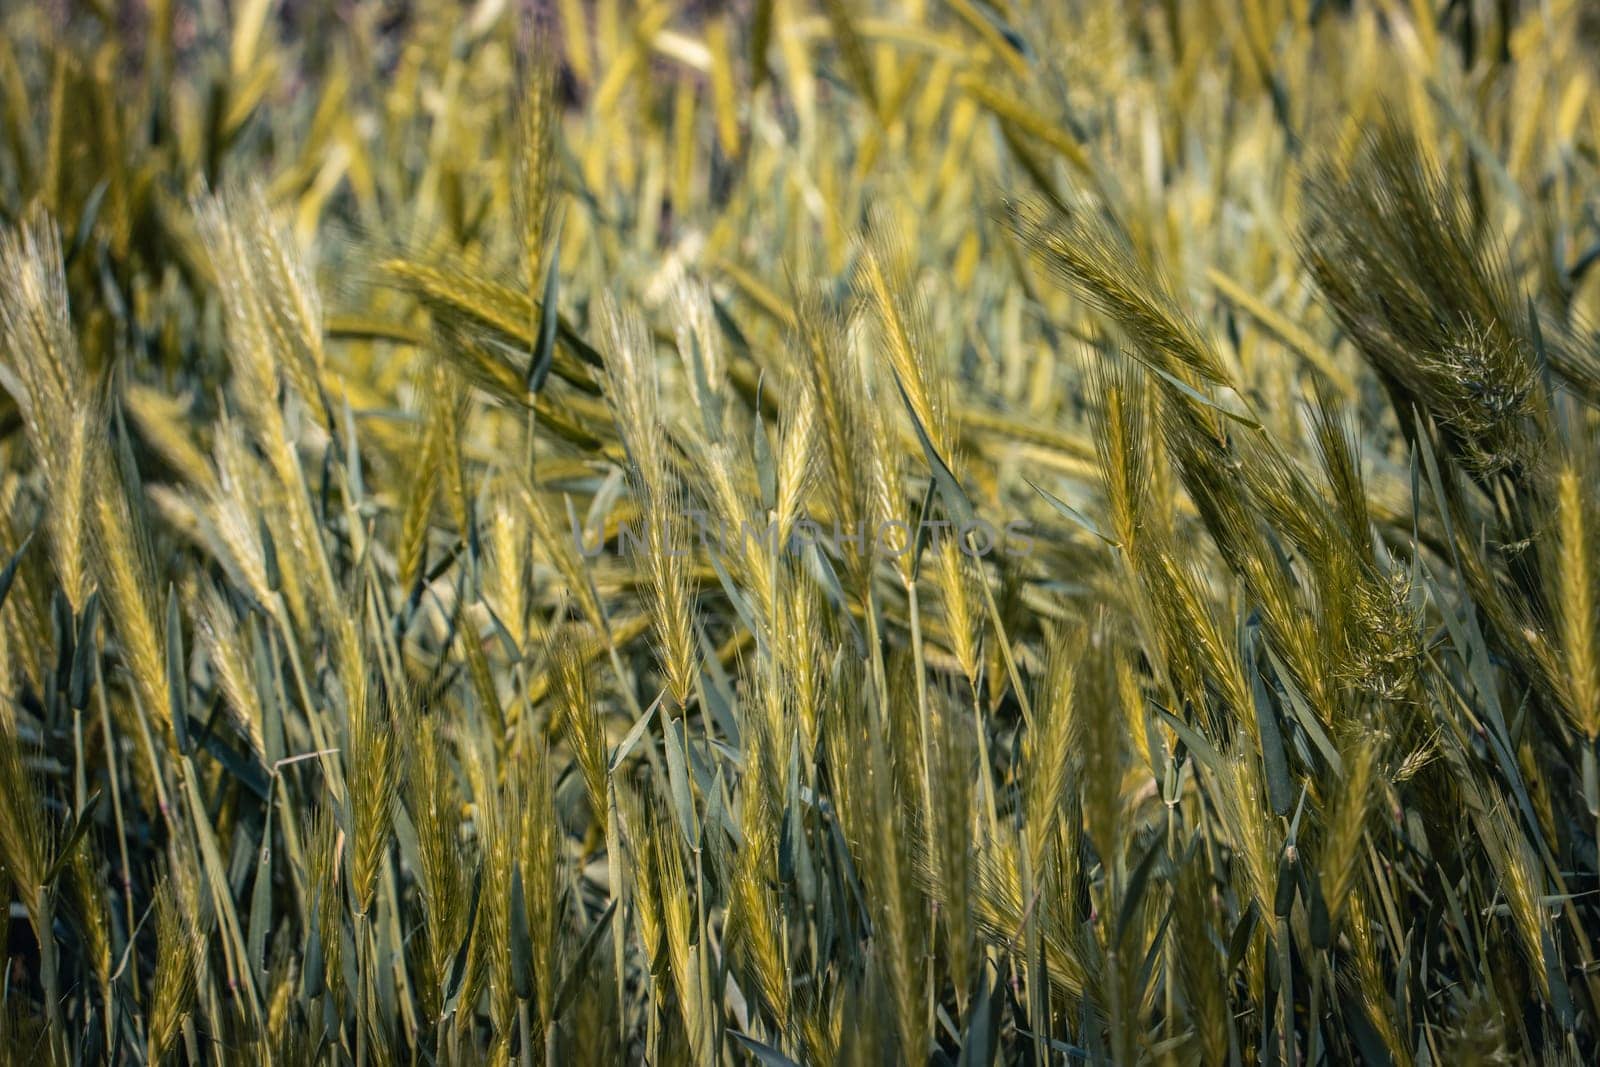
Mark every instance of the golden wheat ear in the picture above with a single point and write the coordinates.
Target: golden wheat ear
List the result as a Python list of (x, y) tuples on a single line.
[(51, 388), (1426, 295)]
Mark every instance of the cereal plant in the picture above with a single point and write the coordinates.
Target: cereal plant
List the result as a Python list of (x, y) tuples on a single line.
[(800, 531)]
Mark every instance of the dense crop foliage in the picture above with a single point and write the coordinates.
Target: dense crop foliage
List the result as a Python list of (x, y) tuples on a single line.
[(789, 531)]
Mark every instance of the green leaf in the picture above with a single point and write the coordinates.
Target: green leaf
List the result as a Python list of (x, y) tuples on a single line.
[(710, 402), (766, 468), (1133, 893), (1072, 513), (269, 554), (85, 653), (631, 739), (982, 1038), (1560, 995), (86, 220), (1200, 398), (245, 767), (1317, 919), (1153, 953), (1193, 740), (544, 349), (458, 963), (1074, 1051), (1367, 1040), (678, 781), (955, 498), (1239, 940), (920, 543), (1591, 778), (579, 967), (80, 826), (763, 1053), (312, 973), (1302, 712), (177, 677), (741, 603), (261, 903), (521, 940), (9, 575), (821, 569), (1283, 900), (1280, 791)]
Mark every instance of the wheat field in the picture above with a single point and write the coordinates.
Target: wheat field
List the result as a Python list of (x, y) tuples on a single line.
[(800, 531)]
